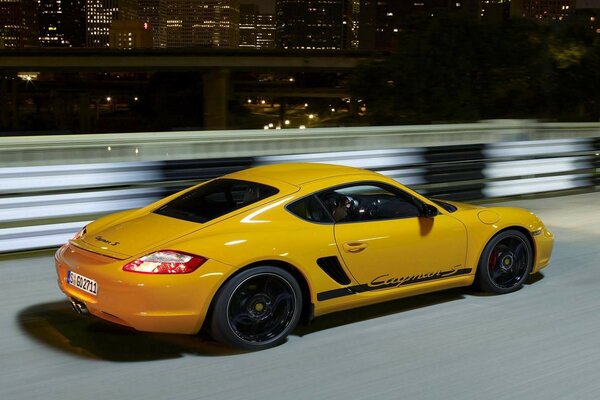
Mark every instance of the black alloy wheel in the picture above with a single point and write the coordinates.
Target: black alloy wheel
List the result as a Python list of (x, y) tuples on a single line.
[(257, 309), (505, 263)]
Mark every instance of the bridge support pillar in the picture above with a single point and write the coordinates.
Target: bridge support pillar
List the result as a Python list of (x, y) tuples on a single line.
[(15, 104), (4, 112), (216, 94), (84, 112)]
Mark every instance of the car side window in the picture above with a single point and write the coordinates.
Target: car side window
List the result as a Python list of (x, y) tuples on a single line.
[(309, 209), (368, 202)]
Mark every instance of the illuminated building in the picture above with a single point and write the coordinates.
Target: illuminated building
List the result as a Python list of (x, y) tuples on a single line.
[(353, 19), (99, 16), (248, 13), (18, 23), (148, 11), (61, 23), (314, 24), (543, 9), (257, 31), (266, 27), (494, 11), (193, 23), (382, 21), (130, 34)]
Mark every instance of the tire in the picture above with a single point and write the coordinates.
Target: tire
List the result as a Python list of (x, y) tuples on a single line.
[(505, 263), (257, 309)]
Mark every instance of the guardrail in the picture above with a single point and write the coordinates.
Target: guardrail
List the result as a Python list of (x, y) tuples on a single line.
[(50, 186)]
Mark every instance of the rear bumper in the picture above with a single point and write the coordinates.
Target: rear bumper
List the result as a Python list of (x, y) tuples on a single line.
[(151, 303)]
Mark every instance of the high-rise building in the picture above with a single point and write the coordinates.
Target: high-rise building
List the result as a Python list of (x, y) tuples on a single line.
[(148, 11), (61, 23), (494, 11), (191, 23), (130, 34), (382, 21), (248, 15), (266, 28), (354, 21), (314, 24), (555, 10), (257, 31), (18, 23), (100, 14)]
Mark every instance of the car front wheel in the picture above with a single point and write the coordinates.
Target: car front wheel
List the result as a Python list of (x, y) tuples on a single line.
[(257, 309), (505, 263)]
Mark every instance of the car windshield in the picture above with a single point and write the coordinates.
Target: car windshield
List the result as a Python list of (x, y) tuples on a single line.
[(215, 199)]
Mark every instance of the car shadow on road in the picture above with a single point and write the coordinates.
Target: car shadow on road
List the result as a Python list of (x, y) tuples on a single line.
[(395, 307), (57, 326), (381, 310), (531, 280)]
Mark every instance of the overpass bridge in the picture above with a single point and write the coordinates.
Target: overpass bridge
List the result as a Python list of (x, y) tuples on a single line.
[(214, 67)]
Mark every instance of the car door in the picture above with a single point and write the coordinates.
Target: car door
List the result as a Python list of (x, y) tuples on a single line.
[(386, 242)]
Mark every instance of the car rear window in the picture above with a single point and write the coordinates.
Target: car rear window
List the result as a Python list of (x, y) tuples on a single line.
[(215, 199)]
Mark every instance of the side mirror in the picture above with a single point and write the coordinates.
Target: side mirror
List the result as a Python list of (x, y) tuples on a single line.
[(428, 211)]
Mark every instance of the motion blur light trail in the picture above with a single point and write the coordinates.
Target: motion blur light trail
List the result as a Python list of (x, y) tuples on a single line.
[(49, 190)]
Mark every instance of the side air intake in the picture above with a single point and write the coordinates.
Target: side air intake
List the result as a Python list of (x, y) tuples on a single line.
[(331, 266)]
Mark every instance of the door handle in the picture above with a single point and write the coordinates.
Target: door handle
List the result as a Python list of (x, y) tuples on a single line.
[(354, 247)]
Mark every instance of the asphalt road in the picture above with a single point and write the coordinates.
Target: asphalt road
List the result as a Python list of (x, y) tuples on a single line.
[(539, 343)]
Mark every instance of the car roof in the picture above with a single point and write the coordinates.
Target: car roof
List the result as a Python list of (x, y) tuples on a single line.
[(299, 173)]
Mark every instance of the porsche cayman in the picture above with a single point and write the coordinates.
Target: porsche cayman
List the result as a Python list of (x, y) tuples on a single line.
[(249, 255)]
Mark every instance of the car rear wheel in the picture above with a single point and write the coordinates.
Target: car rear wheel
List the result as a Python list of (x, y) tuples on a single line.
[(505, 263), (257, 309)]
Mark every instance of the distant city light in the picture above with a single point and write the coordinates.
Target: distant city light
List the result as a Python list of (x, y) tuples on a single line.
[(262, 102), (266, 127), (333, 110), (28, 76), (249, 101), (287, 122), (136, 98), (270, 125), (108, 98), (302, 127), (311, 116), (305, 104)]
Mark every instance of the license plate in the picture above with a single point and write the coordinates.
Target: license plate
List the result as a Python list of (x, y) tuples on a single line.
[(81, 282)]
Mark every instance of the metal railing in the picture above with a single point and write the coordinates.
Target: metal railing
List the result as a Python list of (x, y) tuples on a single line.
[(50, 186)]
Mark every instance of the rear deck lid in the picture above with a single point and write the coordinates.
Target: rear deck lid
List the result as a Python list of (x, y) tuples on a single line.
[(132, 237)]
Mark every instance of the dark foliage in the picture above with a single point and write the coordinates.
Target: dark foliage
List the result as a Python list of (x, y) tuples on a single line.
[(455, 69)]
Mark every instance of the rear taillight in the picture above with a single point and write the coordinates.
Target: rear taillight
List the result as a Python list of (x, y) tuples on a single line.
[(165, 262)]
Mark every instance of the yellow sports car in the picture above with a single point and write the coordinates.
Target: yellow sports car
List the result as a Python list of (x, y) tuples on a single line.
[(249, 255)]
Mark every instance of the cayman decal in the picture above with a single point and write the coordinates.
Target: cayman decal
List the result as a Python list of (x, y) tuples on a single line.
[(387, 281)]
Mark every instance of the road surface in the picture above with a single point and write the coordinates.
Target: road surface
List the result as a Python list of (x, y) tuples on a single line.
[(539, 343)]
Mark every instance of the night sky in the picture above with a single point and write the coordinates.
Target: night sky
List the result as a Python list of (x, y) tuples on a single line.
[(266, 6)]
